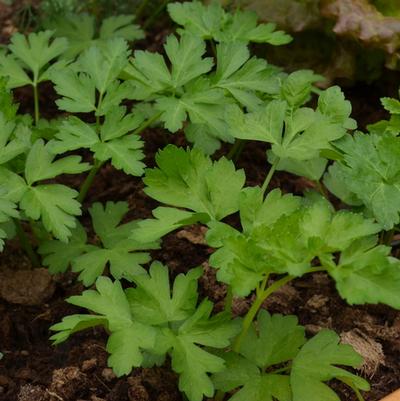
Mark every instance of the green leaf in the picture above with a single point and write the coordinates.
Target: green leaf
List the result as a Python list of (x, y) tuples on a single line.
[(80, 31), (120, 26), (153, 302), (126, 347), (255, 211), (285, 239), (125, 154), (242, 27), (277, 340), (166, 220), (96, 69), (265, 125), (14, 185), (296, 88), (333, 104), (116, 249), (193, 363), (272, 340), (74, 323), (128, 338), (256, 386), (369, 171), (368, 274), (55, 205), (212, 22), (244, 77), (58, 256), (40, 164), (314, 365), (78, 91), (198, 19), (150, 320), (115, 141), (10, 68), (14, 139), (185, 57), (8, 107), (299, 136), (391, 105), (118, 123), (104, 64), (108, 301), (73, 134), (33, 52), (189, 179), (8, 210), (201, 104)]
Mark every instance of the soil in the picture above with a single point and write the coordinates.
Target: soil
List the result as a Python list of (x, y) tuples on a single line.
[(34, 370)]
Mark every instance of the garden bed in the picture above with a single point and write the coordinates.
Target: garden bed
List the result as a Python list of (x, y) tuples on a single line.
[(32, 369)]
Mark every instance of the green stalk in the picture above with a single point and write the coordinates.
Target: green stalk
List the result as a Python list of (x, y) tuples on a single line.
[(321, 189), (141, 8), (89, 181), (261, 295), (36, 103), (219, 396), (147, 123), (269, 176), (26, 244), (353, 387), (152, 18), (228, 300), (235, 150)]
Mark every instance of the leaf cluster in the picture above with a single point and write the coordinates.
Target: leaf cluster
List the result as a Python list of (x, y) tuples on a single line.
[(153, 320)]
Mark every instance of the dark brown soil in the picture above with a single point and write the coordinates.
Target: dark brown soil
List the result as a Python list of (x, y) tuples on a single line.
[(33, 370)]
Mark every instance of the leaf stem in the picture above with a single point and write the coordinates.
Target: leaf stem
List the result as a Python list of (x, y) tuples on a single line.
[(152, 18), (280, 370), (36, 103), (89, 180), (269, 175), (262, 295), (147, 123), (236, 150), (141, 8), (219, 396), (228, 300), (349, 383), (26, 244), (321, 189)]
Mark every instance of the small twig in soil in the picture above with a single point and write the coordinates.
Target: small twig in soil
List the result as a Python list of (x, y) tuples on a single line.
[(54, 395)]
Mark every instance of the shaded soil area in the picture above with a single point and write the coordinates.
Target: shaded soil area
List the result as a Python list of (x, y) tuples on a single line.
[(31, 301)]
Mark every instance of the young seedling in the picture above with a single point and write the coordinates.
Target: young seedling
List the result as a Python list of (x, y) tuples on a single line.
[(300, 137), (28, 61), (212, 22), (197, 188), (81, 32), (124, 256), (193, 95), (151, 321), (84, 89)]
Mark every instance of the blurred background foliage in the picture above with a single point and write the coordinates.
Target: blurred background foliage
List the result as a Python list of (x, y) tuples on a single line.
[(345, 40), (341, 39)]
